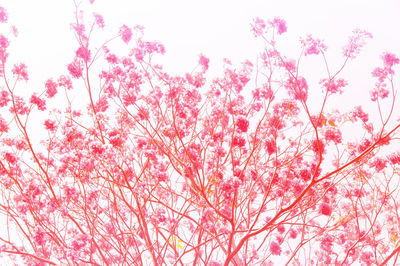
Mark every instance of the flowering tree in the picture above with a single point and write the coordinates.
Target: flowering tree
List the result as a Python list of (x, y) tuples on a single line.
[(155, 169)]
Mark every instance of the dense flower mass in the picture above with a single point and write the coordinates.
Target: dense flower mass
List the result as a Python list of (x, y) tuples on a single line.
[(133, 165)]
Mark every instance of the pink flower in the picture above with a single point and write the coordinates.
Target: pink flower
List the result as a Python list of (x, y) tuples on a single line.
[(4, 98), (128, 98), (39, 236), (394, 158), (281, 228), (79, 28), (317, 146), (298, 88), (379, 91), (40, 103), (333, 135), (3, 50), (313, 46), (51, 88), (292, 233), (14, 31), (390, 59), (379, 164), (126, 33), (50, 125), (20, 107), (112, 59), (203, 61), (334, 86), (75, 69), (356, 42), (102, 104), (258, 27), (3, 125), (3, 15), (279, 24), (270, 146), (275, 248), (11, 158), (84, 53), (380, 73), (242, 124), (3, 42), (20, 71), (360, 114), (325, 209), (238, 141), (65, 82), (367, 257), (99, 20)]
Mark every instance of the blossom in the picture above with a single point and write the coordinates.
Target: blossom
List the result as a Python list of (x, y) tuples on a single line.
[(380, 73), (3, 15), (99, 20), (360, 114), (379, 91), (334, 86), (51, 88), (242, 124), (75, 69), (394, 158), (3, 41), (298, 88), (4, 99), (20, 107), (258, 27), (20, 71), (275, 248), (126, 33), (270, 146), (65, 82), (367, 257), (102, 104), (356, 42), (292, 233), (203, 61), (3, 125), (50, 125), (279, 24), (333, 135), (40, 103), (39, 236), (313, 46), (84, 53), (281, 228), (389, 59), (318, 146), (3, 48), (14, 31), (325, 209), (11, 158), (379, 164), (112, 59)]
